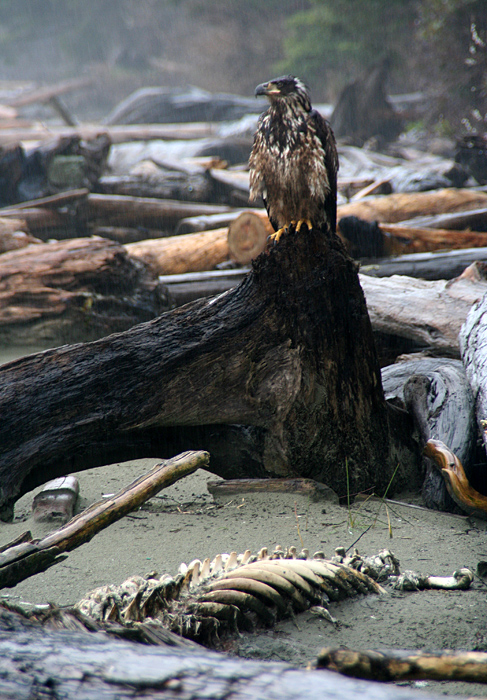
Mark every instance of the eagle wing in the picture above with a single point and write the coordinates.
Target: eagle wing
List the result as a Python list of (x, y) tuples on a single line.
[(327, 138)]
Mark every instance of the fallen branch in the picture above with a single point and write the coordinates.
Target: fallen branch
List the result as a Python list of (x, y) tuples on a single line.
[(20, 561), (406, 665)]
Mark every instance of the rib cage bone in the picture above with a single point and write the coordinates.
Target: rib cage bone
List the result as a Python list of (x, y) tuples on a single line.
[(234, 592)]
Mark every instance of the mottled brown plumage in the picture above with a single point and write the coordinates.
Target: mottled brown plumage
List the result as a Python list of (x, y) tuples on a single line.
[(294, 161)]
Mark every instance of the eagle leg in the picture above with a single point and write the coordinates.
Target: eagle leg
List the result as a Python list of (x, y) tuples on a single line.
[(277, 234), (300, 224)]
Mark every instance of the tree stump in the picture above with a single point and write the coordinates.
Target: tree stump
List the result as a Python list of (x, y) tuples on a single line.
[(276, 377)]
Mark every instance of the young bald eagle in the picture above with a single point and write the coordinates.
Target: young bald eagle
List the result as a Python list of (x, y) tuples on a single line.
[(294, 160)]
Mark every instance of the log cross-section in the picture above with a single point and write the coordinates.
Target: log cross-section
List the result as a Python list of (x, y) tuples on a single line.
[(276, 377)]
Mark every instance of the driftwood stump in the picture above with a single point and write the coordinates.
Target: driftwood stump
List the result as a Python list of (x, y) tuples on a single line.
[(276, 377)]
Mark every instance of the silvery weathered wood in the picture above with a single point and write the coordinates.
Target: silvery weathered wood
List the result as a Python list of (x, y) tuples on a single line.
[(82, 666), (437, 394), (473, 346)]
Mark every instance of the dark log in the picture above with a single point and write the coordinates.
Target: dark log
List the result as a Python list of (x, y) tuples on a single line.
[(60, 199), (74, 290), (288, 355), (20, 561), (407, 314), (152, 181), (370, 239), (392, 665), (82, 665), (363, 110)]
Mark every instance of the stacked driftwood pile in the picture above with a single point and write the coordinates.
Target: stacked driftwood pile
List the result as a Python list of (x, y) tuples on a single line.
[(106, 226)]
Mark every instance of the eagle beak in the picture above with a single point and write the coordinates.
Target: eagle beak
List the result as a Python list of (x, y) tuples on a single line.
[(267, 89)]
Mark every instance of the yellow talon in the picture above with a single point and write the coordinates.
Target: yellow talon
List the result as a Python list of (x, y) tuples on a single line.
[(301, 222), (276, 236)]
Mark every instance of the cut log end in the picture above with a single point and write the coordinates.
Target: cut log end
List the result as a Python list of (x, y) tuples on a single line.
[(247, 236)]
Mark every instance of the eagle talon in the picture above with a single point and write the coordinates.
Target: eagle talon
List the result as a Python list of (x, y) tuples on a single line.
[(277, 234), (300, 224)]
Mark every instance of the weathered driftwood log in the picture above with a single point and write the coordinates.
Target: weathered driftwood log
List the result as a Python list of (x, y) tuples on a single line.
[(224, 490), (145, 211), (88, 665), (437, 395), (193, 252), (21, 560), (474, 219), (68, 291), (393, 665), (288, 354), (192, 224), (117, 134), (399, 207), (428, 266), (468, 499), (13, 236), (149, 180), (473, 346), (428, 313)]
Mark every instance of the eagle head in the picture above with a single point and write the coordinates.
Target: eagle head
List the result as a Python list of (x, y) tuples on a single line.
[(287, 88)]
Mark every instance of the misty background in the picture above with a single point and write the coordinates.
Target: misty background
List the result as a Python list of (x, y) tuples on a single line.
[(438, 47)]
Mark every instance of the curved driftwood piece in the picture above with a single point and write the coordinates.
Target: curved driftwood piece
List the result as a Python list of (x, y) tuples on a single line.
[(437, 394), (83, 665), (468, 499), (21, 560), (277, 377), (392, 665)]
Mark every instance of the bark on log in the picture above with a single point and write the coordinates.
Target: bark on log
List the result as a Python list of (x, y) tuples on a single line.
[(68, 291), (83, 665), (407, 314), (177, 254), (192, 224), (288, 355), (399, 207)]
